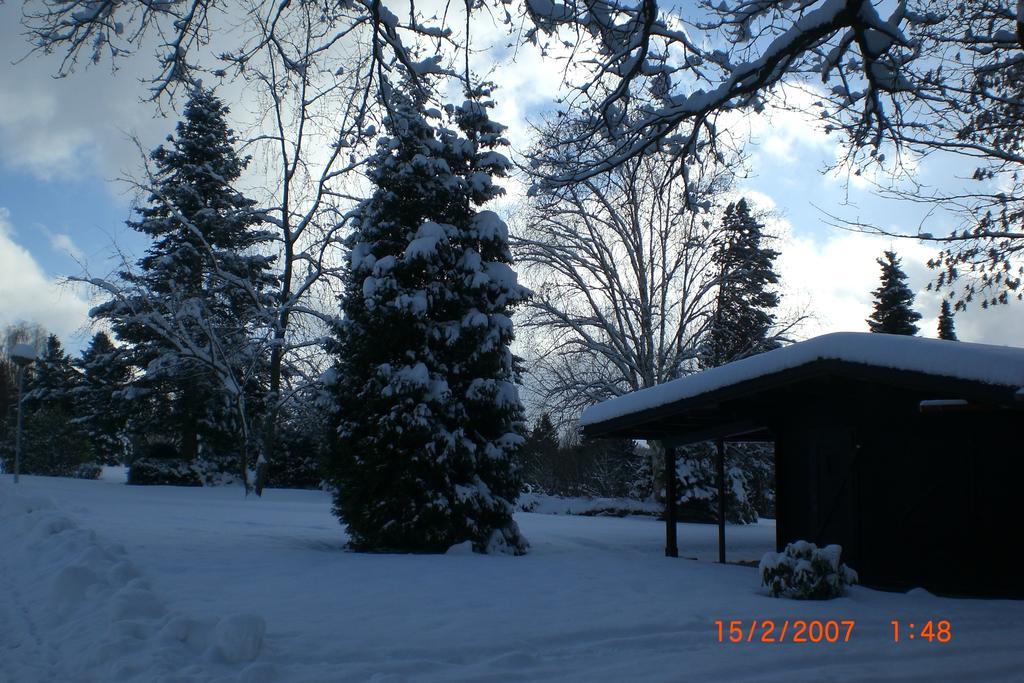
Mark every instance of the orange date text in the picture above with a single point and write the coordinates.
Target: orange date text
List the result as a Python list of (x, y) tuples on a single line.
[(783, 631)]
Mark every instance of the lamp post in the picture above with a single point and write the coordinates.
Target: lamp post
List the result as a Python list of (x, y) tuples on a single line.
[(23, 356)]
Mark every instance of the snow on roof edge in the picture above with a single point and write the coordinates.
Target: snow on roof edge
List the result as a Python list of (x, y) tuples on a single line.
[(990, 364)]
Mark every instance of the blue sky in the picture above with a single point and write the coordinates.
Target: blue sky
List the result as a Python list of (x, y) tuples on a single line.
[(82, 209), (63, 142)]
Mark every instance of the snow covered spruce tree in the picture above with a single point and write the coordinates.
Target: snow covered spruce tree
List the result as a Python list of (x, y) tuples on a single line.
[(893, 312), (190, 314), (947, 329), (53, 378), (99, 407), (743, 324), (538, 454), (54, 442), (744, 306), (429, 413)]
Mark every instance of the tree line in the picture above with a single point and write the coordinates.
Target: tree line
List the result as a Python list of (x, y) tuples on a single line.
[(367, 296)]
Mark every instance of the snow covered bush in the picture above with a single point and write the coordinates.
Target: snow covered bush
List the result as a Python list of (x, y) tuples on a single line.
[(299, 450), (698, 486), (541, 503), (89, 470), (803, 571), (163, 472), (217, 469), (211, 470)]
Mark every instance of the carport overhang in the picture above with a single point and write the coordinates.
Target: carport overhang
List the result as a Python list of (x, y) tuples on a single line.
[(745, 411), (741, 411)]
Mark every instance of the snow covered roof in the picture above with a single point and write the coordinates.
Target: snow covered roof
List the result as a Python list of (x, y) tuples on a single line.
[(982, 363)]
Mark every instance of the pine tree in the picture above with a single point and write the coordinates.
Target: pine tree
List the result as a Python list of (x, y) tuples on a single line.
[(429, 414), (696, 469), (53, 378), (946, 326), (53, 441), (611, 466), (536, 456), (98, 401), (745, 303), (741, 327), (200, 291), (8, 393), (642, 474), (893, 312), (18, 333)]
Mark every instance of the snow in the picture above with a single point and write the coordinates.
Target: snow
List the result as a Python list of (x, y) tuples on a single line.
[(489, 226), (943, 403), (428, 237), (239, 637), (430, 65), (999, 365), (557, 505), (547, 10), (114, 582), (503, 275)]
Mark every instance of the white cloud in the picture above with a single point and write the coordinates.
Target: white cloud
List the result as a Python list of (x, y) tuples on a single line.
[(832, 280), (70, 127), (62, 243), (837, 275), (787, 133), (28, 293), (31, 139)]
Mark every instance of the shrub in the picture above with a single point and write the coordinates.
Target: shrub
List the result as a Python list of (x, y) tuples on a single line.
[(805, 572), (52, 444), (697, 488), (163, 472), (297, 460), (217, 469), (157, 448), (88, 470)]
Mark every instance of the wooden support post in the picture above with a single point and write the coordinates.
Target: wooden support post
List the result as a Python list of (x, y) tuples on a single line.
[(671, 543), (780, 498), (721, 501)]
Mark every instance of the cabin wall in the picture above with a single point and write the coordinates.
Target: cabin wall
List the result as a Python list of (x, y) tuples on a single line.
[(815, 498), (938, 503), (914, 499)]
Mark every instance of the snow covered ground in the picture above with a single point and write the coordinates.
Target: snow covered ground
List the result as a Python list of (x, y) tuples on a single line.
[(104, 582)]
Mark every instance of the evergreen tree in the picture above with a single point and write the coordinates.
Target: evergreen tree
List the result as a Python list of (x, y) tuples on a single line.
[(8, 392), (946, 326), (697, 472), (53, 378), (745, 303), (187, 313), (893, 312), (53, 441), (429, 413), (741, 327), (17, 333), (301, 440), (611, 466), (98, 401), (537, 455)]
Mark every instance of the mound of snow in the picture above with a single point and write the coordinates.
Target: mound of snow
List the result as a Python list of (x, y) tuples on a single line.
[(81, 610), (240, 637)]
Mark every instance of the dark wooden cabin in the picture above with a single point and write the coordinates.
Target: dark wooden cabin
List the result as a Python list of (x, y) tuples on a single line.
[(908, 452)]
